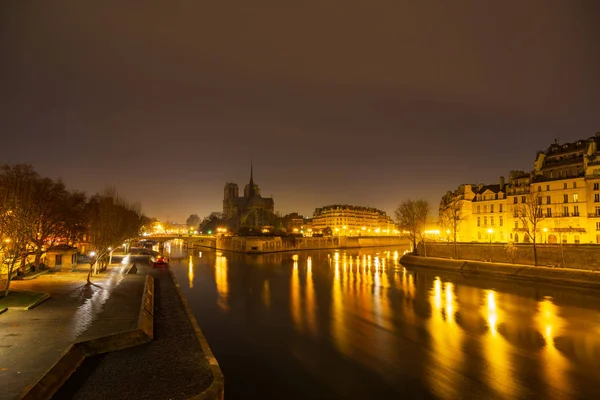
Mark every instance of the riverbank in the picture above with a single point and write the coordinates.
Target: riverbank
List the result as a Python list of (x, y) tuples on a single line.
[(565, 276), (274, 244)]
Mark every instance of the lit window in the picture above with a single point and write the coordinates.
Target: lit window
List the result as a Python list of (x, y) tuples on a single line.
[(501, 221), (575, 197)]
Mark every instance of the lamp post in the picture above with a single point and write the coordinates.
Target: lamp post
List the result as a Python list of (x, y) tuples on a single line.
[(545, 235), (490, 232)]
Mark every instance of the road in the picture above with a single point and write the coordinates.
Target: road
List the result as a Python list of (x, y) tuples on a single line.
[(356, 324)]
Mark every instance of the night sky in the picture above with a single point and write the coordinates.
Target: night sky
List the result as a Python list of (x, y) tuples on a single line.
[(345, 101)]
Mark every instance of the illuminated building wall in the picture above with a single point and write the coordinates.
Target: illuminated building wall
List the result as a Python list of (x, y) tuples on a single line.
[(347, 220), (566, 178)]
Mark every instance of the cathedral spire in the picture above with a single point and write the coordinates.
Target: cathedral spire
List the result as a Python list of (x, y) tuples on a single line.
[(251, 191)]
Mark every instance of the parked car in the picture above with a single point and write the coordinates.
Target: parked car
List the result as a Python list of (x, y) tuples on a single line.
[(160, 261)]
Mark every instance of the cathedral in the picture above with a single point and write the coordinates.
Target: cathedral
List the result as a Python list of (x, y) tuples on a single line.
[(250, 210)]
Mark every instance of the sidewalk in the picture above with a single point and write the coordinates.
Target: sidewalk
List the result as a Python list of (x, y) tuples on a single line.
[(172, 366), (33, 341)]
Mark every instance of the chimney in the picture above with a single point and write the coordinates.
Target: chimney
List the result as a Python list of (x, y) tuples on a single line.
[(502, 183)]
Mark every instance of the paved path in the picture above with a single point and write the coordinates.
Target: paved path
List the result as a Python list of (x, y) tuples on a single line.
[(33, 341), (172, 366)]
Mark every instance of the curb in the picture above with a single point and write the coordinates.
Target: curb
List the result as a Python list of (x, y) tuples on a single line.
[(3, 310), (30, 277), (72, 358), (216, 390), (45, 297)]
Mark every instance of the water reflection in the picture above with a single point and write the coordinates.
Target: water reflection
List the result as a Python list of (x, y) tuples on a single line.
[(221, 281), (191, 271), (356, 319), (446, 355), (555, 365)]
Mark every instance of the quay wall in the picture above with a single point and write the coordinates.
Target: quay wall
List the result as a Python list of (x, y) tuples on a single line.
[(579, 256), (569, 276), (270, 244)]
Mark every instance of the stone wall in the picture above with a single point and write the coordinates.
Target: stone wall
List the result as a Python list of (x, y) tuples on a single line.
[(581, 256)]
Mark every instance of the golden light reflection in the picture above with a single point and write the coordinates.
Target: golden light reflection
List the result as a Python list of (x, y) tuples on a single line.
[(554, 364), (338, 313), (266, 294), (447, 358), (191, 272), (311, 317), (500, 375), (221, 281), (295, 297)]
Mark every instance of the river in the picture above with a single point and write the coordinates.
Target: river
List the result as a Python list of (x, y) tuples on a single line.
[(356, 324)]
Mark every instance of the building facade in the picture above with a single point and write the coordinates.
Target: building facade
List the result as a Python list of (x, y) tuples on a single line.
[(563, 191), (348, 220), (251, 209)]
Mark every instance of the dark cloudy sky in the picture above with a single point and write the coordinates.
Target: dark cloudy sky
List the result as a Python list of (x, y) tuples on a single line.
[(336, 101)]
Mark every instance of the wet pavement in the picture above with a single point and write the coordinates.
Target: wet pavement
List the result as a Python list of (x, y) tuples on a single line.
[(32, 341), (355, 324), (172, 366)]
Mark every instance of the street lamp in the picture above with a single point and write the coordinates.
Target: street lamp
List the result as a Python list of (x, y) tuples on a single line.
[(545, 235), (490, 232)]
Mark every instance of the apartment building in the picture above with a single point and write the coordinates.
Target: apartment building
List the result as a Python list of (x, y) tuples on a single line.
[(564, 184), (348, 220)]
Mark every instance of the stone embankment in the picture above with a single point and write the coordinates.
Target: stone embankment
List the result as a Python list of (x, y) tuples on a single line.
[(565, 276)]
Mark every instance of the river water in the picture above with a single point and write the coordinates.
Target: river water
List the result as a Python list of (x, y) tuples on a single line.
[(356, 324)]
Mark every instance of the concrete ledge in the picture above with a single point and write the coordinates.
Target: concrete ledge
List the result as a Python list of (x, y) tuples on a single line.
[(564, 276), (3, 309), (217, 388), (30, 277), (58, 374)]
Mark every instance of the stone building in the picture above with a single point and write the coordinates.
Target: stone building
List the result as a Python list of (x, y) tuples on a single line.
[(251, 209), (347, 220), (565, 182)]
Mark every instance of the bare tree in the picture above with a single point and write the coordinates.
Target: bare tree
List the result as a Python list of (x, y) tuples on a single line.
[(111, 221), (529, 214), (411, 216), (193, 221), (17, 217), (451, 214)]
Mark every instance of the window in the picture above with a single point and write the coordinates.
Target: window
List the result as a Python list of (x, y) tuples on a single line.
[(501, 236), (492, 221), (597, 211), (565, 185), (548, 187), (523, 199), (548, 200), (501, 220), (598, 226), (575, 197), (492, 208), (500, 208), (576, 211), (478, 221), (576, 238), (596, 186), (539, 188), (58, 260), (484, 221), (565, 211), (548, 212), (478, 208), (479, 235), (515, 200), (574, 184), (516, 224), (596, 197), (566, 198), (485, 208)]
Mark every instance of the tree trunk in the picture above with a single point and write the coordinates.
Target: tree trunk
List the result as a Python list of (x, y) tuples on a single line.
[(10, 269), (38, 257), (455, 247), (90, 272), (424, 248), (535, 260)]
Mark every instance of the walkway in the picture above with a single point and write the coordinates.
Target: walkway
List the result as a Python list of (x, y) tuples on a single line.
[(32, 341), (172, 366)]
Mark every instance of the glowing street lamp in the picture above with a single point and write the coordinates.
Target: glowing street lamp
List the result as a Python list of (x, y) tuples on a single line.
[(490, 232), (545, 235)]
